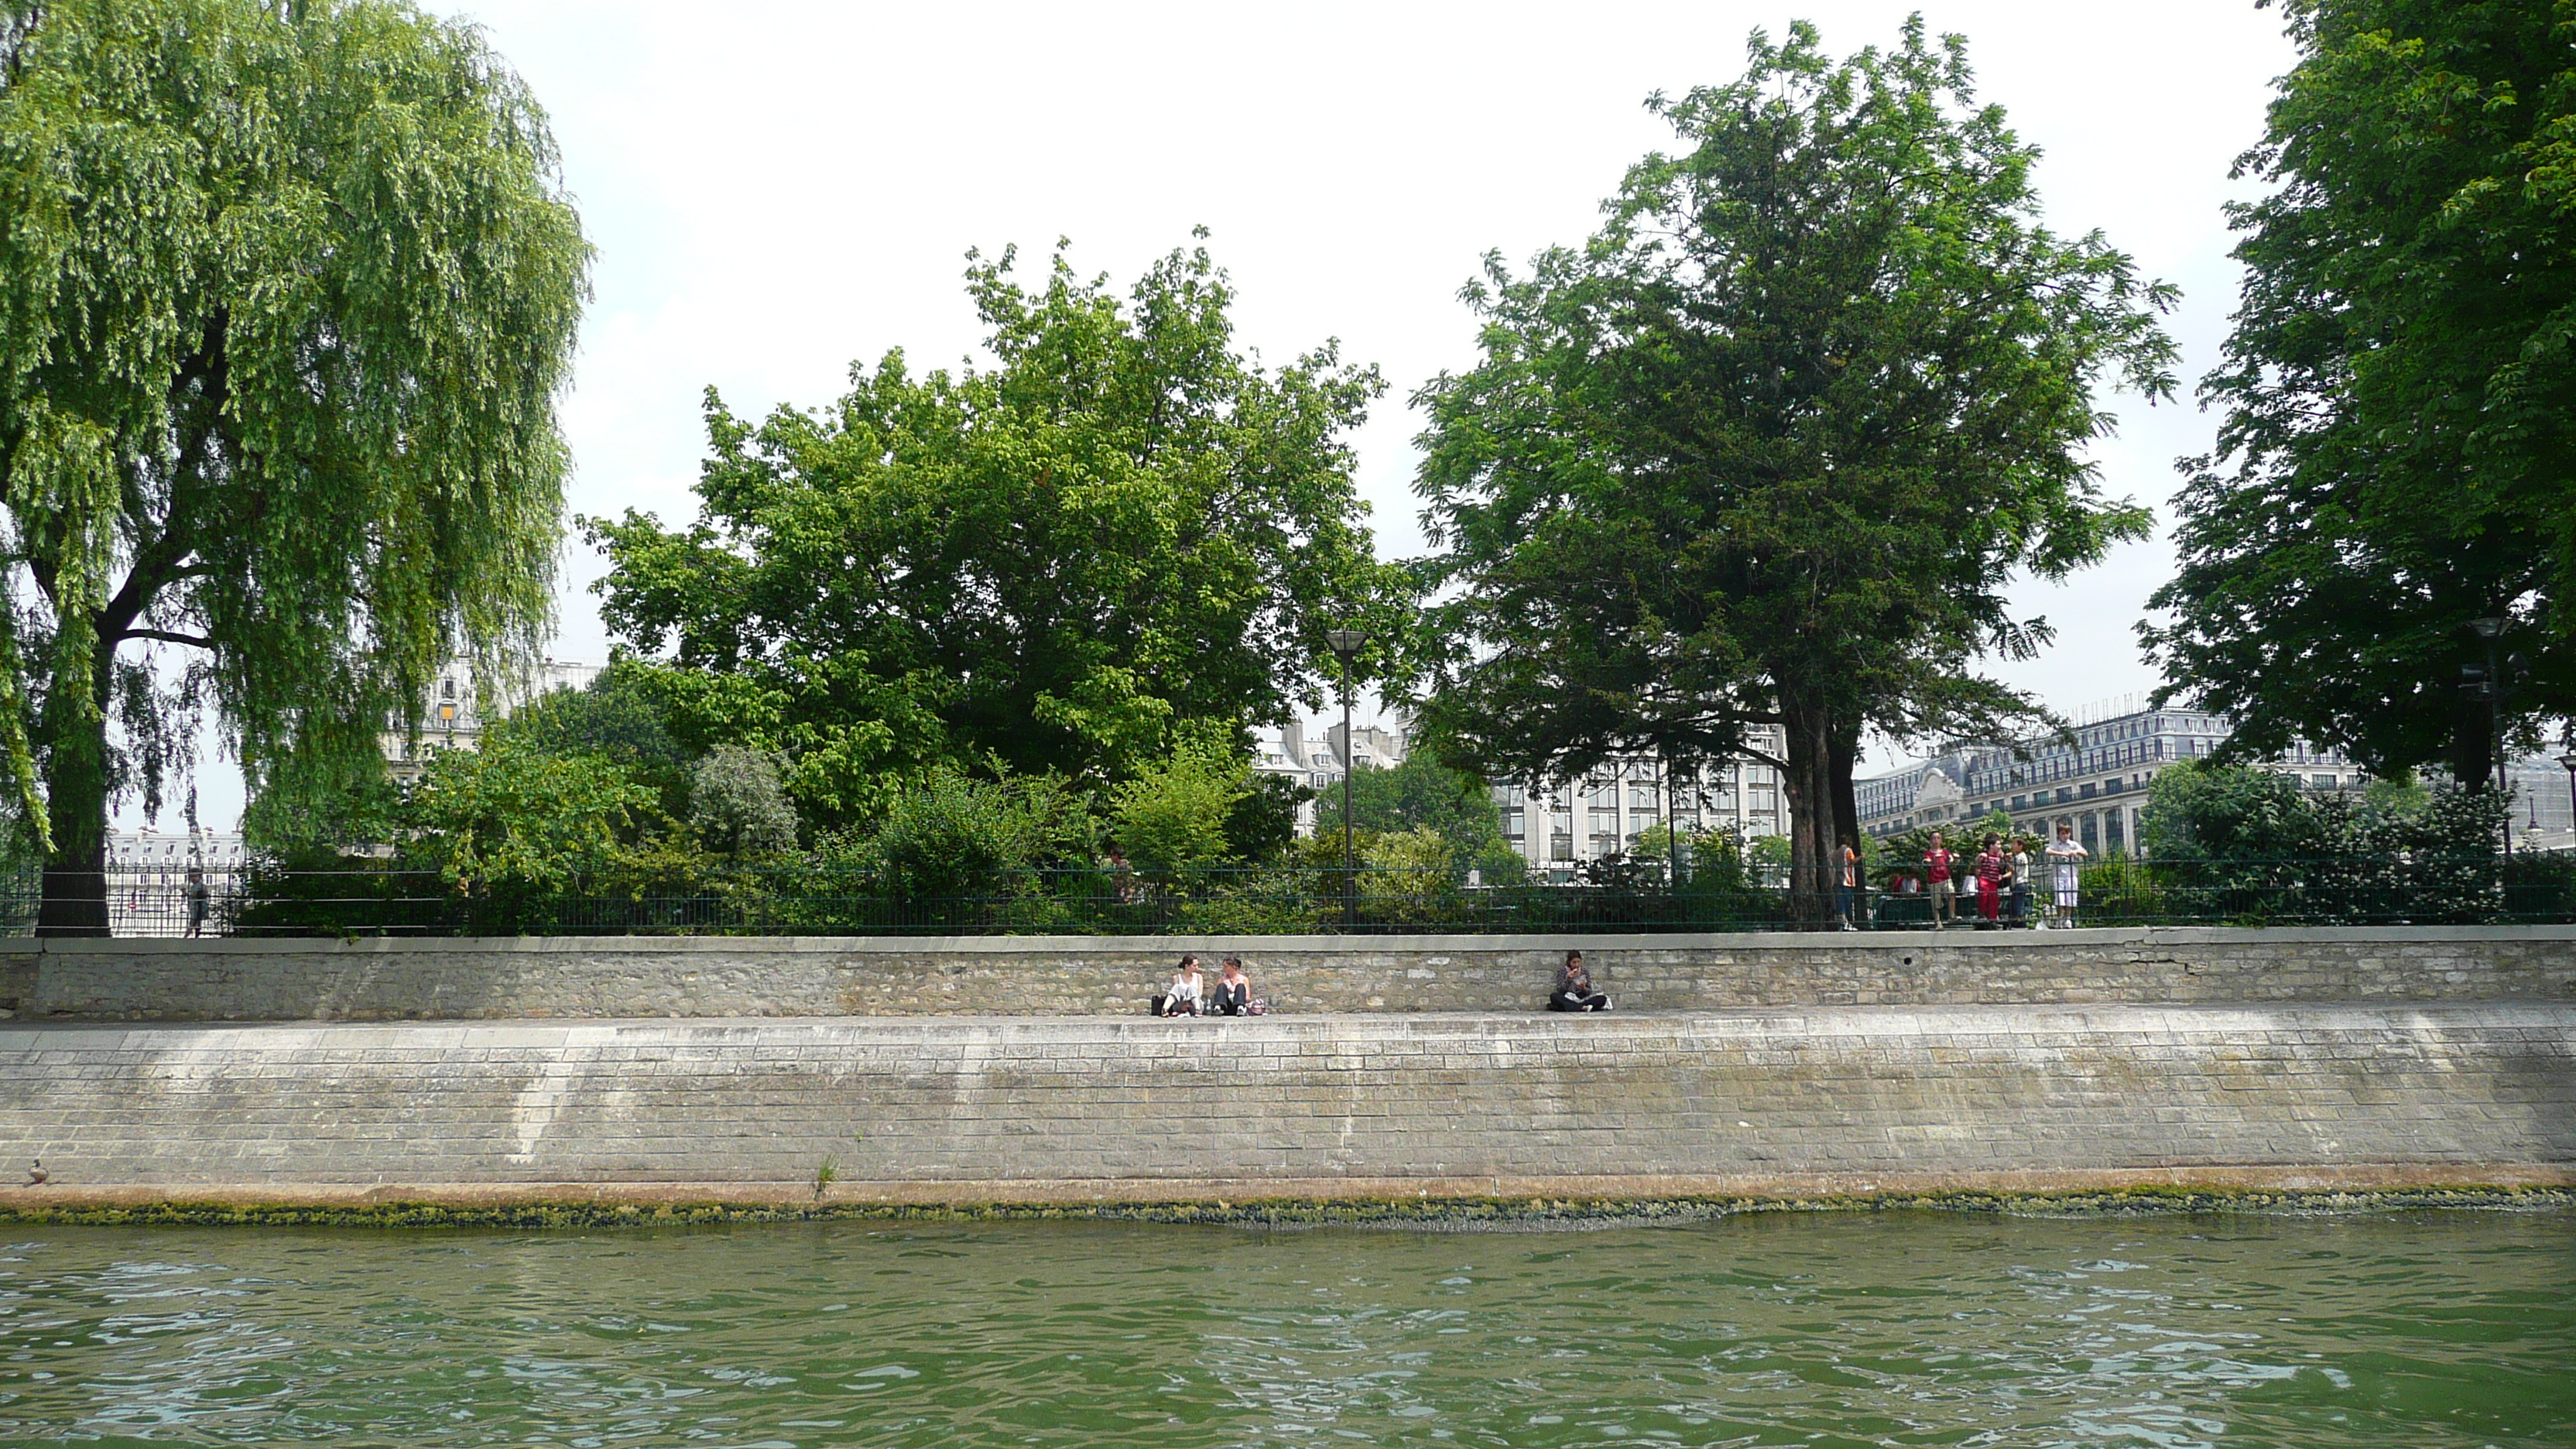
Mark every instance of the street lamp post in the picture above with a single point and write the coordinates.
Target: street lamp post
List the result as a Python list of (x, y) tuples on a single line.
[(2491, 684), (2569, 761), (1346, 645)]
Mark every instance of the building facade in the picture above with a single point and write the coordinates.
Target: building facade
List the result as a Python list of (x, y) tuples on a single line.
[(1560, 828), (452, 718), (1557, 829), (2097, 783), (148, 878)]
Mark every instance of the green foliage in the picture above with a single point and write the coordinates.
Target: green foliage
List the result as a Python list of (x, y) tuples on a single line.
[(737, 805), (1423, 793), (2399, 394), (1172, 815), (286, 295), (954, 835), (2250, 845), (537, 821), (1409, 875), (617, 717), (315, 801), (2208, 810), (1118, 533), (1263, 824), (1772, 445)]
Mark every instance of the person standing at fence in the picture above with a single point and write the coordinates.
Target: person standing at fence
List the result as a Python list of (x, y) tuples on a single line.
[(199, 898), (1847, 885), (2065, 864), (1937, 879), (2020, 883), (1990, 881)]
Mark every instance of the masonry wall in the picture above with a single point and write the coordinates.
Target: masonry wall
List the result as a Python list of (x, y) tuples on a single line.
[(632, 976), (1831, 1099)]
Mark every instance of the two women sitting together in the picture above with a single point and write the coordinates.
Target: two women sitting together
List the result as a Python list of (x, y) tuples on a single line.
[(1191, 995)]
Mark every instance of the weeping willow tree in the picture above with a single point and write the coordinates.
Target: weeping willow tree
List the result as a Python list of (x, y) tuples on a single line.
[(287, 293)]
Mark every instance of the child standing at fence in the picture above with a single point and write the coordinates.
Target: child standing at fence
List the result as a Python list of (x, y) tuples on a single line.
[(1990, 881)]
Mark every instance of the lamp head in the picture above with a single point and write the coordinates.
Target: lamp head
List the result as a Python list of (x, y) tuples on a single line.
[(1346, 642), (2486, 628), (2569, 760)]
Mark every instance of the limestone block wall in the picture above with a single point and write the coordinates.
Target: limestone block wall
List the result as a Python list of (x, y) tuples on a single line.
[(630, 976), (1828, 1099)]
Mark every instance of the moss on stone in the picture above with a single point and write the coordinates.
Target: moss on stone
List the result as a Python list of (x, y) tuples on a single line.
[(1439, 1214)]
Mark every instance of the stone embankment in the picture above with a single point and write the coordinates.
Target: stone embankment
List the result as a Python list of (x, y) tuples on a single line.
[(382, 979), (1764, 1066)]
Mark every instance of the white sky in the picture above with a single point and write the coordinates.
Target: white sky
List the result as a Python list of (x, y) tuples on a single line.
[(777, 189)]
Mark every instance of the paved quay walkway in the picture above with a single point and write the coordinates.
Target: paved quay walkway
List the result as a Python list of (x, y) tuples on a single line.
[(962, 1109)]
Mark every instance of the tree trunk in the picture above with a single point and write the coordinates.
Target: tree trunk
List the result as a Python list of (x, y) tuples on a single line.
[(1808, 784), (75, 899), (1845, 759), (2473, 744)]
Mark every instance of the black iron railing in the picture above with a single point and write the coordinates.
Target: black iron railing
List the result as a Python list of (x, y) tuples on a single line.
[(390, 899)]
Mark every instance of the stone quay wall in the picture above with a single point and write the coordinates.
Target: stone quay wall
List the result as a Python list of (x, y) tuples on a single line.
[(1824, 1100), (383, 979)]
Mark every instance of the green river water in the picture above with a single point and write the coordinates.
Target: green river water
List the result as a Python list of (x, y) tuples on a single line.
[(2415, 1329)]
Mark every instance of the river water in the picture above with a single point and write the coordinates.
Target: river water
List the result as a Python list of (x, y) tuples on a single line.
[(2416, 1329)]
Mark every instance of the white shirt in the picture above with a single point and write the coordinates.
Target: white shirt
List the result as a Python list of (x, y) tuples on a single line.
[(2064, 854), (1185, 987)]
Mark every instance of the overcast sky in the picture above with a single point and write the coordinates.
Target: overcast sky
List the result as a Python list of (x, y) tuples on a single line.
[(778, 189)]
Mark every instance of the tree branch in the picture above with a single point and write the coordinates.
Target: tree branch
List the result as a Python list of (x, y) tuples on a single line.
[(165, 636)]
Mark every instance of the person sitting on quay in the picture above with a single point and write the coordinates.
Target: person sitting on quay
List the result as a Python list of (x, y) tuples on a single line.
[(1574, 988), (1187, 990), (1233, 990), (1937, 879)]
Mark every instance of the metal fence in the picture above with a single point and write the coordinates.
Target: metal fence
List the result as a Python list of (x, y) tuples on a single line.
[(259, 901)]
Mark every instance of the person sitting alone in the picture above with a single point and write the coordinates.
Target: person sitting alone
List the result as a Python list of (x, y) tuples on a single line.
[(1574, 988), (1233, 989), (1186, 991)]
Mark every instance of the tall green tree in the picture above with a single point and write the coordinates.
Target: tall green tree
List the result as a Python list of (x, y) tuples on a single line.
[(2398, 451), (1422, 793), (1771, 446), (1064, 561), (286, 296)]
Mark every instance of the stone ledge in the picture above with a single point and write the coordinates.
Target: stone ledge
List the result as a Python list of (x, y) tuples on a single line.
[(714, 977)]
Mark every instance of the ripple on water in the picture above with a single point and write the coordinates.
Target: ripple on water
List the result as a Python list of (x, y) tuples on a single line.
[(2418, 1329)]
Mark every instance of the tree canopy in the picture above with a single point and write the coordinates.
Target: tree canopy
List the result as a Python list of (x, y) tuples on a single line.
[(1061, 561), (1421, 793), (1769, 448), (2398, 450), (286, 297)]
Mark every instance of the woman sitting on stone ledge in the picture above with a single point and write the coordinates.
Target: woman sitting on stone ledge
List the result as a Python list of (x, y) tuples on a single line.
[(1183, 997), (1574, 988), (1233, 989)]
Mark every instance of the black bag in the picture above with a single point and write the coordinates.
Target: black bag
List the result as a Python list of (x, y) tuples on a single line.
[(1157, 1008)]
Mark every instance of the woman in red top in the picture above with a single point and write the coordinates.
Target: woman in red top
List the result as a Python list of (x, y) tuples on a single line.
[(1990, 879), (1936, 878)]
